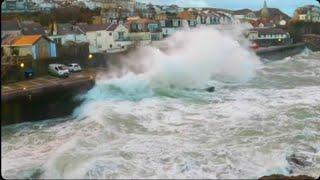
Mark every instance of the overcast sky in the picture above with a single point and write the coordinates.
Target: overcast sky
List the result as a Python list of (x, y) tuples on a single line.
[(287, 6)]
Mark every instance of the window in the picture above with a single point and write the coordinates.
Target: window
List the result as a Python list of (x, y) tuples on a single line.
[(110, 34), (57, 40), (110, 45), (121, 35), (163, 23), (99, 46)]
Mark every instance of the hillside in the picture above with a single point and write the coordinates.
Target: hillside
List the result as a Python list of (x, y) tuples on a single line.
[(274, 13), (242, 11)]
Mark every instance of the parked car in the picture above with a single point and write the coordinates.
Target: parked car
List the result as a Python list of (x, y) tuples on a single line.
[(74, 67), (59, 70), (28, 73)]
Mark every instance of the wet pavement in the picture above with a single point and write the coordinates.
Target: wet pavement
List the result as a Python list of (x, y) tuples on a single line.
[(45, 83)]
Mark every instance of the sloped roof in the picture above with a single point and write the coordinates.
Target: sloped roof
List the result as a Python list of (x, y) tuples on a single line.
[(64, 29), (67, 28), (305, 9), (32, 29), (96, 27), (112, 27), (186, 15), (26, 40)]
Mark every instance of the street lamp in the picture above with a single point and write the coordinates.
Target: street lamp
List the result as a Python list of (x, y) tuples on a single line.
[(22, 65), (90, 56)]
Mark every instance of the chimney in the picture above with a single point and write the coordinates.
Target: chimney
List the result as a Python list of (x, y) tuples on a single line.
[(55, 29)]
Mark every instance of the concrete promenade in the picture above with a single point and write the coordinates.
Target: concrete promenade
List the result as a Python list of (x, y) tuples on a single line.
[(48, 83)]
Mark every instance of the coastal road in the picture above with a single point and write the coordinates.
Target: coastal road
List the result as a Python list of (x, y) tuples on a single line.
[(48, 83)]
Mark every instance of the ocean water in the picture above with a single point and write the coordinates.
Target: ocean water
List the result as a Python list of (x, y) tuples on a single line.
[(159, 124)]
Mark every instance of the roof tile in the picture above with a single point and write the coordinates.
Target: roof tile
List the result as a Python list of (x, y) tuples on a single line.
[(26, 40)]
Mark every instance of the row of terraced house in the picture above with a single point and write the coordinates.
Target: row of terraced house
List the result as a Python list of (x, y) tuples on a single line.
[(108, 37)]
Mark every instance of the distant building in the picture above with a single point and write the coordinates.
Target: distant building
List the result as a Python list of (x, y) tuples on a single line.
[(139, 31), (188, 18), (170, 25), (208, 18), (46, 5), (37, 46), (265, 37), (10, 27), (155, 31), (172, 9), (111, 4), (89, 4), (32, 28), (225, 18), (161, 16), (106, 38), (250, 16), (63, 33), (140, 6), (265, 15), (96, 20), (307, 13), (114, 15), (262, 23), (18, 6)]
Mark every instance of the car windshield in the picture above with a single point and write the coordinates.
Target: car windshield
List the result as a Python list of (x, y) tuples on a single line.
[(62, 68)]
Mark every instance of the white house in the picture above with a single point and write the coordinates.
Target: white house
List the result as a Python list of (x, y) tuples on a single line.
[(208, 18), (62, 33), (170, 26), (308, 13), (302, 17), (106, 38), (119, 39)]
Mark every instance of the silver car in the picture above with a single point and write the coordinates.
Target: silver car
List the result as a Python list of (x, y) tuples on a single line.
[(74, 67)]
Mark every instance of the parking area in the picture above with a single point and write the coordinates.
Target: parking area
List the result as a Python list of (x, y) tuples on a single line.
[(48, 82)]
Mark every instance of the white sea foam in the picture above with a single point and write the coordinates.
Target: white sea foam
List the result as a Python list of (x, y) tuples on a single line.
[(137, 126), (194, 56)]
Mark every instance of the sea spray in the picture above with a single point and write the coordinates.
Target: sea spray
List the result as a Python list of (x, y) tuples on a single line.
[(194, 57), (246, 131)]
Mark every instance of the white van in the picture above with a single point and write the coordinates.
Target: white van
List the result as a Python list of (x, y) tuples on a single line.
[(59, 70)]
